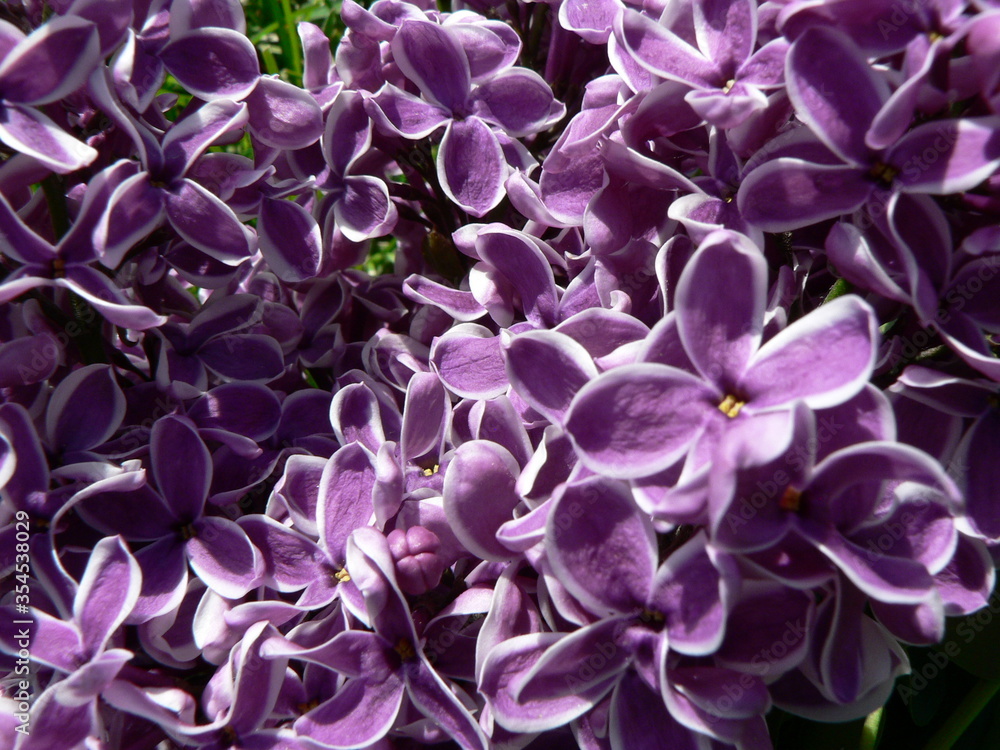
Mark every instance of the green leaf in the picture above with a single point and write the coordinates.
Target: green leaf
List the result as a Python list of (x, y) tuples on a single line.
[(973, 643)]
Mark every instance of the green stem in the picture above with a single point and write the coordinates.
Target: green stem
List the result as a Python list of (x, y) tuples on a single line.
[(56, 196), (290, 40), (974, 702), (870, 731), (839, 289), (535, 32)]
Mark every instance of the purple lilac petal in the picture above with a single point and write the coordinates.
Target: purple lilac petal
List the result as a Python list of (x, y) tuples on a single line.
[(434, 698), (108, 591), (425, 416), (950, 156), (490, 47), (396, 111), (109, 300), (836, 94), (188, 139), (214, 63), (766, 614), (345, 497), (174, 442), (564, 668), (284, 116), (471, 166), (434, 60), (977, 456), (222, 555), (365, 210), (835, 345), (460, 305), (19, 241), (85, 409), (503, 672), (691, 593), (195, 14), (348, 132), (244, 408), (290, 240), (359, 714), (639, 719), (31, 133), (660, 51), (51, 63), (469, 361), (526, 268), (164, 578), (966, 581), (721, 329), (134, 210), (547, 369), (787, 193), (519, 101), (291, 561), (725, 30), (243, 357), (355, 414), (601, 546), (207, 223), (479, 496), (636, 421)]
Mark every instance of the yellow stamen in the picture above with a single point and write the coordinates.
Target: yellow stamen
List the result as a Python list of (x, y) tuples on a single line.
[(342, 575), (883, 173), (731, 406), (405, 649), (652, 617), (791, 499), (431, 471), (305, 708), (729, 86)]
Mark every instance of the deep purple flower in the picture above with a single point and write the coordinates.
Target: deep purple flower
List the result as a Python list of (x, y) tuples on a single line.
[(44, 67)]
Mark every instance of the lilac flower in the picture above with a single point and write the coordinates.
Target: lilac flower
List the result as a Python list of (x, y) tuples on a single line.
[(209, 343), (162, 190), (536, 681), (516, 101), (174, 520), (832, 505), (725, 73), (46, 66), (78, 648), (705, 369), (571, 478), (70, 263), (383, 667), (869, 150)]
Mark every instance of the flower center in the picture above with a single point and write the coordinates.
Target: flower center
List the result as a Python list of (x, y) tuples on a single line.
[(342, 575), (405, 649), (187, 531), (651, 618), (58, 268), (729, 86), (731, 405), (431, 470), (883, 173), (305, 708), (791, 499)]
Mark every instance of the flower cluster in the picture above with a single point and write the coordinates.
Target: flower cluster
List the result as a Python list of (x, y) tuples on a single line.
[(581, 372)]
